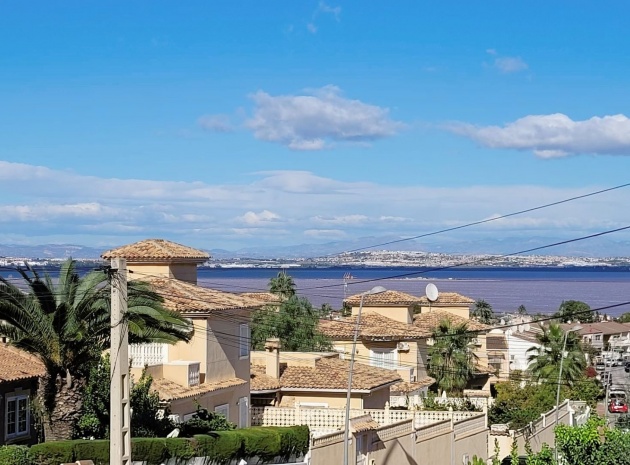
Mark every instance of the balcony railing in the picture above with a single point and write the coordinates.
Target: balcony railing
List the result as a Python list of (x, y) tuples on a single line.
[(142, 355)]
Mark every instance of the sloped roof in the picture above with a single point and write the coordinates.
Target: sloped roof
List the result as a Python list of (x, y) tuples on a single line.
[(265, 297), (363, 423), (448, 298), (156, 249), (372, 326), (169, 390), (384, 298), (187, 298), (260, 381), (414, 386), (15, 364), (332, 374), (430, 320)]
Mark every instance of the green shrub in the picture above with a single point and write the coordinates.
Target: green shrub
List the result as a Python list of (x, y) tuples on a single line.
[(221, 448), (14, 455), (52, 453)]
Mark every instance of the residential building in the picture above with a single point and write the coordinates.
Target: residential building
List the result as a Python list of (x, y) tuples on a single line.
[(318, 380), (520, 340), (450, 302), (212, 370), (604, 335), (19, 375)]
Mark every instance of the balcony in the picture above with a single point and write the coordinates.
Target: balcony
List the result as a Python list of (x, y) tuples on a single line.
[(142, 355)]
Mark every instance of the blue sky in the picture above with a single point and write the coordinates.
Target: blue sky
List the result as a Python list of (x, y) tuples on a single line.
[(236, 124)]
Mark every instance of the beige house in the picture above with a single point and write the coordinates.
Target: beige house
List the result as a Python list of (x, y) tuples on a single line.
[(213, 368), (318, 380), (392, 336), (450, 302)]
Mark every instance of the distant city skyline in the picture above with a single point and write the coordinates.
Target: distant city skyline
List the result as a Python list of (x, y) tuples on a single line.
[(244, 125)]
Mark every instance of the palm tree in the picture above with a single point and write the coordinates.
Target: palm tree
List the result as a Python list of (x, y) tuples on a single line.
[(452, 359), (482, 312), (67, 326), (282, 285), (545, 359)]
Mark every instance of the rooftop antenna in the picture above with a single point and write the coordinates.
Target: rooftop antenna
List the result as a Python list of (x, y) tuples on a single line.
[(432, 294), (346, 278)]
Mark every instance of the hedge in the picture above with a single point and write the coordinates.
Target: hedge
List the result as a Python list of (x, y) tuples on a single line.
[(266, 443)]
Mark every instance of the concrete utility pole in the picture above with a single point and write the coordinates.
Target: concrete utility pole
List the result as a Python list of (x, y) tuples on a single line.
[(120, 409)]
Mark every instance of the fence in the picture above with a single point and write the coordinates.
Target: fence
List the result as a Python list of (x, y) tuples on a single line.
[(417, 401), (326, 420)]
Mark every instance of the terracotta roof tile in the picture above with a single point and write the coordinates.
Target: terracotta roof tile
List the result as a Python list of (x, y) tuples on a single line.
[(363, 423), (15, 364), (169, 390), (187, 298), (448, 298), (410, 387), (430, 320), (158, 249), (260, 381), (373, 326), (332, 374), (384, 298), (266, 297)]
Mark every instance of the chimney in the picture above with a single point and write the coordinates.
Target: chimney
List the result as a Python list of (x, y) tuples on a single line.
[(272, 357)]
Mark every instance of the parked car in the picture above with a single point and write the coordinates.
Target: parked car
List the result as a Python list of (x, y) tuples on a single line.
[(626, 367), (617, 406), (606, 378), (600, 365)]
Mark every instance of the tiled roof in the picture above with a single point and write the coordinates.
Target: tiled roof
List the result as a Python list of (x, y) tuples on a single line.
[(414, 386), (266, 297), (384, 298), (496, 342), (158, 249), (529, 335), (363, 423), (430, 320), (448, 298), (605, 327), (15, 364), (186, 298), (260, 381), (169, 390), (372, 326), (483, 369), (332, 374)]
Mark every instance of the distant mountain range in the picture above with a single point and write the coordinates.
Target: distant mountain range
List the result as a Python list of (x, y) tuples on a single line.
[(597, 247)]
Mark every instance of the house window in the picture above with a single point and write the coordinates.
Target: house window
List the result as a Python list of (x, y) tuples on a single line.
[(383, 358), (243, 340), (223, 410), (598, 337), (17, 418)]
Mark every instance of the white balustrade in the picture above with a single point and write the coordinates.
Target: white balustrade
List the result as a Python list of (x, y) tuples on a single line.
[(142, 355)]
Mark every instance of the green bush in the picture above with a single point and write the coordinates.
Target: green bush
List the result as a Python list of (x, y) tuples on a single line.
[(14, 455), (221, 448)]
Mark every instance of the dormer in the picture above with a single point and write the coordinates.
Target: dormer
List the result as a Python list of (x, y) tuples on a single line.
[(160, 258)]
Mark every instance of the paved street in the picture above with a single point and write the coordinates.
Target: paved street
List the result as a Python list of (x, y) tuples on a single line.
[(620, 381)]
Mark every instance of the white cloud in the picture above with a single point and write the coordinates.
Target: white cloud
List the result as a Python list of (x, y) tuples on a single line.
[(315, 120), (555, 135), (311, 28), (335, 11), (253, 218), (278, 207), (510, 64), (215, 123)]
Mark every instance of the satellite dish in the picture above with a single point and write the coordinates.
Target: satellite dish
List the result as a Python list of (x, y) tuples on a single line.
[(432, 292)]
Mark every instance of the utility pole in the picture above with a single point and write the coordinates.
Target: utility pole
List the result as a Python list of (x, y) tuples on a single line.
[(120, 409)]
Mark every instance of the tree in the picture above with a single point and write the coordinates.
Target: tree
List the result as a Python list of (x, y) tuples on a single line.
[(482, 312), (573, 311), (624, 318), (594, 443), (295, 322), (522, 310), (282, 285), (67, 326), (148, 419), (452, 358), (545, 359)]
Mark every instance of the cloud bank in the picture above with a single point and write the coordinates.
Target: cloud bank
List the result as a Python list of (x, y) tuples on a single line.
[(316, 120), (555, 135)]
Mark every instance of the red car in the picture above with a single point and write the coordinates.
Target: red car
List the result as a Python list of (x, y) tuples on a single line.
[(617, 406)]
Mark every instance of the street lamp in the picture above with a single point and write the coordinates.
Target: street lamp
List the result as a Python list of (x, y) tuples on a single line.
[(564, 347), (346, 434)]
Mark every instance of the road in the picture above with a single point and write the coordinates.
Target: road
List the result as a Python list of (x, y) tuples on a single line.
[(620, 381)]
